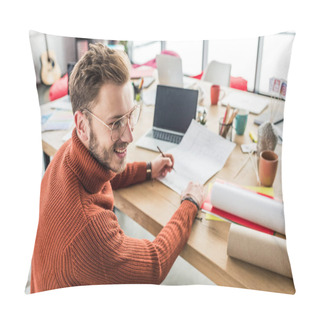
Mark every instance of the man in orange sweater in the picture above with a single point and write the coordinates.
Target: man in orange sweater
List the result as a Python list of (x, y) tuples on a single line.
[(79, 240)]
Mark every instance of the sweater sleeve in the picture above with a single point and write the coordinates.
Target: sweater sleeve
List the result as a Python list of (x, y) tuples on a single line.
[(134, 173), (103, 254)]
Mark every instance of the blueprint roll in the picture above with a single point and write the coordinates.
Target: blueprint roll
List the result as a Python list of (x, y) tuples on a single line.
[(249, 205), (260, 249)]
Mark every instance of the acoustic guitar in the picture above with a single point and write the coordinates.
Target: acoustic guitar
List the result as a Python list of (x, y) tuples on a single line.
[(50, 70)]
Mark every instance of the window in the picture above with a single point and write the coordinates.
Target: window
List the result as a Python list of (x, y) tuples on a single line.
[(143, 51), (191, 54), (254, 59), (240, 53), (276, 52)]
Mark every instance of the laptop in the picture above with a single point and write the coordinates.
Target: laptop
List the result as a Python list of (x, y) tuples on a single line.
[(174, 110), (170, 72)]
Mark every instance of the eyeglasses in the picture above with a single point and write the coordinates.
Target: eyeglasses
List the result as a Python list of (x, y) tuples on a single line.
[(118, 127)]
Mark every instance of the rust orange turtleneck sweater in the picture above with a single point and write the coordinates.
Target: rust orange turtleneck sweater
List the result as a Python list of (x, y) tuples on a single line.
[(79, 240)]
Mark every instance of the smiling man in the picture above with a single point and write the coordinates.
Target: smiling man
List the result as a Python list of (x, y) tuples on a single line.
[(79, 240)]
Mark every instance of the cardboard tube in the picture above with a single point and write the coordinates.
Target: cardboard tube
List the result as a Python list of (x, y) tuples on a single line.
[(260, 249)]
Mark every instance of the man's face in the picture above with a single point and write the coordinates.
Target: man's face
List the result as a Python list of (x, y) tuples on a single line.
[(113, 102)]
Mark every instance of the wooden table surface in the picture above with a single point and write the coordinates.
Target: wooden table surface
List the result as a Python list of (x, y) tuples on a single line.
[(151, 204)]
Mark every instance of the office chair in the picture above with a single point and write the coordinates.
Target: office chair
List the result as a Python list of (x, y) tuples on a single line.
[(217, 73)]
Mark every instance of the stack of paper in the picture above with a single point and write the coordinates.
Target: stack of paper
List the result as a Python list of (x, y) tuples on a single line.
[(63, 103), (59, 120)]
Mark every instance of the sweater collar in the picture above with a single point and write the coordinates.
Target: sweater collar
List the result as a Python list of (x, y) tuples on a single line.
[(89, 171)]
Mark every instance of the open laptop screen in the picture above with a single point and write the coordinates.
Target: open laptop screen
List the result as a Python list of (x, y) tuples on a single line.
[(175, 108)]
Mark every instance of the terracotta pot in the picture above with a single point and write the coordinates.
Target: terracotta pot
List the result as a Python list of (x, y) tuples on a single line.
[(268, 165)]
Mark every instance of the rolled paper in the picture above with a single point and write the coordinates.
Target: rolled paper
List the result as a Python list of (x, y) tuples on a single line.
[(249, 205), (260, 249)]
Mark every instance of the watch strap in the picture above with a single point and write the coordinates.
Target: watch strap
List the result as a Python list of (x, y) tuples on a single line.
[(191, 200), (149, 171)]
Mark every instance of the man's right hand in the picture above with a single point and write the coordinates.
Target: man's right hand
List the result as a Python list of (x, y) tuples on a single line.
[(196, 191)]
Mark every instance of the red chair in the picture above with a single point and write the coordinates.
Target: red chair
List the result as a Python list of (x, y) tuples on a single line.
[(239, 83), (199, 76), (235, 82)]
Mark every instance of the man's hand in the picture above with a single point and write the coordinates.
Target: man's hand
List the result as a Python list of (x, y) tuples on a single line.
[(162, 165), (196, 191)]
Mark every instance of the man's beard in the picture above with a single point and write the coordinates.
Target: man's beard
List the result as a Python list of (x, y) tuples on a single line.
[(104, 156)]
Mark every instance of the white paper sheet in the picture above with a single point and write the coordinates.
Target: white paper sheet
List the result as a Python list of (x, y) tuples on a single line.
[(63, 103), (248, 205), (68, 135), (149, 96), (200, 155)]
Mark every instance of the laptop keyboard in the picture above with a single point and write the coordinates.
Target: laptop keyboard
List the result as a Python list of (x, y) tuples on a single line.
[(165, 136)]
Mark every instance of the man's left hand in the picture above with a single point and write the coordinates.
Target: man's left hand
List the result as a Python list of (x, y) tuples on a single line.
[(162, 165)]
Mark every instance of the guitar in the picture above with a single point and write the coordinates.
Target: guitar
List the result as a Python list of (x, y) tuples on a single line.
[(50, 70)]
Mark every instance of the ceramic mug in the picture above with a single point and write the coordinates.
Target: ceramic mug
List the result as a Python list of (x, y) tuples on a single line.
[(215, 93), (268, 164), (241, 121)]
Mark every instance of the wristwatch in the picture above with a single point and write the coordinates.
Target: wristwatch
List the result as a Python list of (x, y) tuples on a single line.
[(191, 200), (149, 171)]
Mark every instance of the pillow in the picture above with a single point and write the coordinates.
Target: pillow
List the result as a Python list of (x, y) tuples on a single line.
[(238, 237)]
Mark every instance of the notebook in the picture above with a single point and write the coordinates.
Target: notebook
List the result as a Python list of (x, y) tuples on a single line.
[(242, 100), (174, 110)]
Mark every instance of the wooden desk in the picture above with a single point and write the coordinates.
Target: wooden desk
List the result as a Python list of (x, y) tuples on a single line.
[(151, 204)]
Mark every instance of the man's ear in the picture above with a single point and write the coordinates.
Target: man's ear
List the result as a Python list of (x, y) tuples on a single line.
[(82, 126)]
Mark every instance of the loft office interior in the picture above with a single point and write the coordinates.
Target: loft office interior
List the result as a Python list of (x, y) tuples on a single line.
[(253, 63)]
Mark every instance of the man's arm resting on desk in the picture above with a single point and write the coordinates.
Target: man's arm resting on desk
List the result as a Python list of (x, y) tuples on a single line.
[(133, 173), (103, 254), (137, 171)]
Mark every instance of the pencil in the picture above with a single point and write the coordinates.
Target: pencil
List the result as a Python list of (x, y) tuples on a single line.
[(225, 121), (226, 114), (229, 122), (164, 156), (233, 116), (141, 84), (224, 118)]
